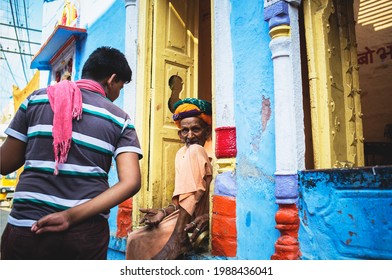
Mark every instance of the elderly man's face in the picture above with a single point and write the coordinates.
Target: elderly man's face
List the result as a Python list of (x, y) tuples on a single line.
[(194, 131)]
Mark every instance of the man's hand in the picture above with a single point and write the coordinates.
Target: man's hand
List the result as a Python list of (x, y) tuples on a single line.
[(199, 225), (152, 217), (55, 222)]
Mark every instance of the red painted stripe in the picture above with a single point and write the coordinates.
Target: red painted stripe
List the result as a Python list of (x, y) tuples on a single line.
[(226, 142)]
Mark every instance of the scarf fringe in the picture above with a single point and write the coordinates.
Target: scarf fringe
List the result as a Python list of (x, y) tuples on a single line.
[(77, 113), (61, 153)]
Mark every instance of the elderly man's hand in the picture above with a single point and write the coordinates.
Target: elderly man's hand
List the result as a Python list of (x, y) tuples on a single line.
[(152, 217), (197, 226)]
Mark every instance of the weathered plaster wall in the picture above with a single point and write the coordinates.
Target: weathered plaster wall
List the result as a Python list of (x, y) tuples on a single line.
[(254, 119), (345, 213)]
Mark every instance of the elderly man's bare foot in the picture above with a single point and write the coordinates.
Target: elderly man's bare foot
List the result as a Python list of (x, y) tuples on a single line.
[(177, 245)]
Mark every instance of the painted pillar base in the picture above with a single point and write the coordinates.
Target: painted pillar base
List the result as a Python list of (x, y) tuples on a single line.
[(287, 222), (223, 226), (124, 218)]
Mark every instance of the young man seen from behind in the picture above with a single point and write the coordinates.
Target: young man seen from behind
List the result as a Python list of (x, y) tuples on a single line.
[(66, 136)]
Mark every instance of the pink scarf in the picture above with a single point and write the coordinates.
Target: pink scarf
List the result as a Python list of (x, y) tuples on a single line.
[(65, 99)]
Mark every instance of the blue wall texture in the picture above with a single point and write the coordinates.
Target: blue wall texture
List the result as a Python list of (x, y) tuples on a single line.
[(346, 213), (254, 119)]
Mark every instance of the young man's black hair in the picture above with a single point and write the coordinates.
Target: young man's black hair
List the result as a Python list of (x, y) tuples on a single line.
[(105, 61)]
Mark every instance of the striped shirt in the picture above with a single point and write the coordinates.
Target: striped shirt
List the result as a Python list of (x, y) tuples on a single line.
[(103, 132)]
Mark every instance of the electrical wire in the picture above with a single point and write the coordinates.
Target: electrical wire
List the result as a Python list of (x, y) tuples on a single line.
[(9, 68), (17, 38), (27, 25)]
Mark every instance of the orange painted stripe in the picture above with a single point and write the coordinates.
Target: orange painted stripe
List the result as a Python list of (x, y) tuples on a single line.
[(224, 205)]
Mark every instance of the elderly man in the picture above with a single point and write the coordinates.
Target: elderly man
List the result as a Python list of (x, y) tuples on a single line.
[(165, 233)]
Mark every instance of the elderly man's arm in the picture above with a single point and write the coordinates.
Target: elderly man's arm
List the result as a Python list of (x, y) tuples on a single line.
[(12, 155), (201, 222)]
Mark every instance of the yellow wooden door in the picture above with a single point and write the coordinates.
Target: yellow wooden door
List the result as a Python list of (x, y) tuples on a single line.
[(174, 52)]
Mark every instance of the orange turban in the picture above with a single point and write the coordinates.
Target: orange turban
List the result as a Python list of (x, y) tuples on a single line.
[(192, 107)]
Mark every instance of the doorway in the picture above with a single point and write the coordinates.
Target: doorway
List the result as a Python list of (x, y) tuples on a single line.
[(177, 44), (374, 39)]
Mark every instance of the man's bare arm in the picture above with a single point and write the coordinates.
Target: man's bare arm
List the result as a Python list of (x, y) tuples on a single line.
[(128, 170), (12, 155)]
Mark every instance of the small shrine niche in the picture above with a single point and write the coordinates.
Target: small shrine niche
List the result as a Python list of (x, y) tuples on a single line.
[(57, 54), (63, 64)]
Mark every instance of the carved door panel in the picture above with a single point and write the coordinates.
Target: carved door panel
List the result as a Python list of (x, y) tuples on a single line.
[(333, 82)]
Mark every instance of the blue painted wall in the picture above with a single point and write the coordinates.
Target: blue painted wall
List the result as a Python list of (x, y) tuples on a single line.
[(253, 84), (108, 30), (346, 213)]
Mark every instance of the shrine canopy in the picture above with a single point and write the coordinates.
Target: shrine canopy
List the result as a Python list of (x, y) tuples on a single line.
[(61, 37)]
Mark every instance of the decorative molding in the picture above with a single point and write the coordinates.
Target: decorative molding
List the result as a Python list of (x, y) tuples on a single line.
[(130, 3), (286, 189), (277, 14), (225, 165), (295, 3), (280, 31), (277, 8)]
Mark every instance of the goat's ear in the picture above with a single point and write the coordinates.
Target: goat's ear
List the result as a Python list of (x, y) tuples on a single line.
[(176, 85)]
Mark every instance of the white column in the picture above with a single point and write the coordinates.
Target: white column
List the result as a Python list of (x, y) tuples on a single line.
[(131, 35), (223, 64), (285, 124)]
